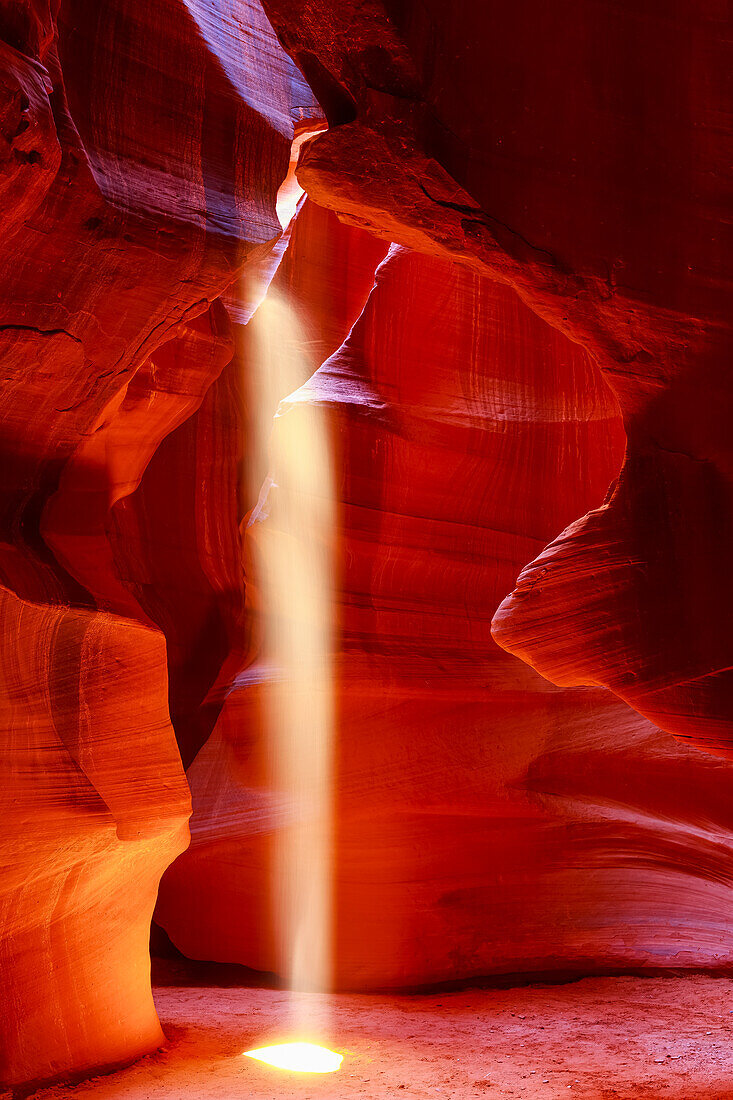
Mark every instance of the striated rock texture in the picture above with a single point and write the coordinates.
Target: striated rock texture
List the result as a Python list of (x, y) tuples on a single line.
[(94, 807), (579, 152), (555, 178), (141, 152), (486, 822)]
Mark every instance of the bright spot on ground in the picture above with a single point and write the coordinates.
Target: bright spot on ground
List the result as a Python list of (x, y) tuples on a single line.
[(298, 1057)]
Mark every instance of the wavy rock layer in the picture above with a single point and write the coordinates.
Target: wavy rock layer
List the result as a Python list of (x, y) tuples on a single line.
[(94, 807), (486, 821), (579, 153), (141, 151), (577, 156)]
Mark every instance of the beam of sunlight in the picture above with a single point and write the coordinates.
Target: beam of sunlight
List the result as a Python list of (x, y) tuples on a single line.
[(298, 1057), (290, 536)]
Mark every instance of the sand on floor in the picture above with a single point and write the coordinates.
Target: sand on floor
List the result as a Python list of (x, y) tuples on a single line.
[(611, 1038)]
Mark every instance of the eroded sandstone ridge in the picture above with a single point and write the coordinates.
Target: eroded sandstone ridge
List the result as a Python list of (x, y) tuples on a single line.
[(141, 150), (524, 360), (486, 822), (579, 152)]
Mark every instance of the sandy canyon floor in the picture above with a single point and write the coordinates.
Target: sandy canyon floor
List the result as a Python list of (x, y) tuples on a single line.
[(606, 1038)]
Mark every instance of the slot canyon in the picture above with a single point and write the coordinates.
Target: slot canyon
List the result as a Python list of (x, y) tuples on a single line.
[(366, 524)]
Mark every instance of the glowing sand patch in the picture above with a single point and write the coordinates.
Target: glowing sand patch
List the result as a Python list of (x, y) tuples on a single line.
[(298, 1057)]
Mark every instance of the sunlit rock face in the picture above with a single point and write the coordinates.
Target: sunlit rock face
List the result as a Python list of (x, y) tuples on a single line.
[(577, 152), (554, 178), (486, 822), (94, 807), (141, 150)]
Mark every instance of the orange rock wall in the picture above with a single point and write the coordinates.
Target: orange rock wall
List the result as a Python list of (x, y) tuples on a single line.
[(556, 180), (141, 150)]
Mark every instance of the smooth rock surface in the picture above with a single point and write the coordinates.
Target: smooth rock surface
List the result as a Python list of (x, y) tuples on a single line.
[(485, 821), (580, 153), (141, 152), (556, 179)]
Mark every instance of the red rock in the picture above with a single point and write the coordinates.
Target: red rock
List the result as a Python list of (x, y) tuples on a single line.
[(486, 822), (578, 154), (141, 151), (563, 170), (187, 511), (326, 275)]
